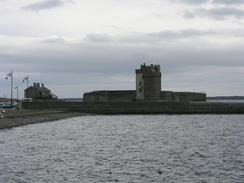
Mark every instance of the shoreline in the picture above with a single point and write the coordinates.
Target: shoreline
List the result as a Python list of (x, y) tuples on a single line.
[(15, 118)]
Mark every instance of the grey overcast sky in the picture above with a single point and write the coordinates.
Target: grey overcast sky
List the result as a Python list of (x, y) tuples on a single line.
[(75, 46)]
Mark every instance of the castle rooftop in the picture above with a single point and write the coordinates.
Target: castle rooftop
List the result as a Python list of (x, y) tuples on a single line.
[(149, 69)]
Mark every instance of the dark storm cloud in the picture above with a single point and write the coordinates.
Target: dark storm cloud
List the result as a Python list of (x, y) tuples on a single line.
[(216, 13), (228, 2), (46, 4)]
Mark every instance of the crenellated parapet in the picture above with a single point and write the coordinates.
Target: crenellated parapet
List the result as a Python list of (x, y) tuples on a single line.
[(149, 69)]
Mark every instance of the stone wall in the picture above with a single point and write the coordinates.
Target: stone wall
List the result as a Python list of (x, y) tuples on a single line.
[(152, 86), (141, 107), (183, 96), (53, 104), (110, 96), (130, 95), (148, 82)]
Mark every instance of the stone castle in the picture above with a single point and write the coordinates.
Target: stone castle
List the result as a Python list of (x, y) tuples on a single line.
[(147, 98), (148, 88), (148, 82)]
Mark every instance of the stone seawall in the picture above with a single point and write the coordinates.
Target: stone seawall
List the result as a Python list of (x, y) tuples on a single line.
[(114, 96), (141, 107), (14, 118), (60, 105)]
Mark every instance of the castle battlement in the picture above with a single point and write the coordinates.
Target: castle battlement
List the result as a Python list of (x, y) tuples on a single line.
[(149, 69)]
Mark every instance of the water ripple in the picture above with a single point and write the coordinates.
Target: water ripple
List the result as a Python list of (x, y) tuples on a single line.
[(126, 148)]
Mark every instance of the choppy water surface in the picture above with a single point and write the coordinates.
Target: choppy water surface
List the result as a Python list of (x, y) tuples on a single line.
[(126, 148)]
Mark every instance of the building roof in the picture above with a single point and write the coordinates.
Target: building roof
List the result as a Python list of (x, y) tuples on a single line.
[(37, 86)]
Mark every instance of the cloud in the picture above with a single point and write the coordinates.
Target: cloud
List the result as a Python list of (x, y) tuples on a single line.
[(95, 37), (153, 37), (46, 4), (165, 36), (87, 53), (228, 2), (180, 34), (73, 68), (54, 39), (196, 2), (216, 13)]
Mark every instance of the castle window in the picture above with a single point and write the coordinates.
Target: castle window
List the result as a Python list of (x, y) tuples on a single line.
[(140, 90), (140, 83)]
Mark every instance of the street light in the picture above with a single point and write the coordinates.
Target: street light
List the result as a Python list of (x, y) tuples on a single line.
[(26, 78), (17, 93), (10, 75)]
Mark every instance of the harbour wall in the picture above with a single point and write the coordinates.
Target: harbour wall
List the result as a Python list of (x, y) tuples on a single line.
[(130, 96), (140, 107)]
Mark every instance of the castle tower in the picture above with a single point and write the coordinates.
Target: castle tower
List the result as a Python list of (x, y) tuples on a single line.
[(148, 82)]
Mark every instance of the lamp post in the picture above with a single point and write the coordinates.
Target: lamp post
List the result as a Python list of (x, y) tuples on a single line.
[(10, 75), (17, 93), (27, 85)]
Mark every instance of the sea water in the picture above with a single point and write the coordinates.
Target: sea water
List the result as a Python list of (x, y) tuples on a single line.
[(126, 148)]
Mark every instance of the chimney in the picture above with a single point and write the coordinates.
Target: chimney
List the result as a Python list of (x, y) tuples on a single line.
[(34, 84), (38, 85), (42, 85)]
